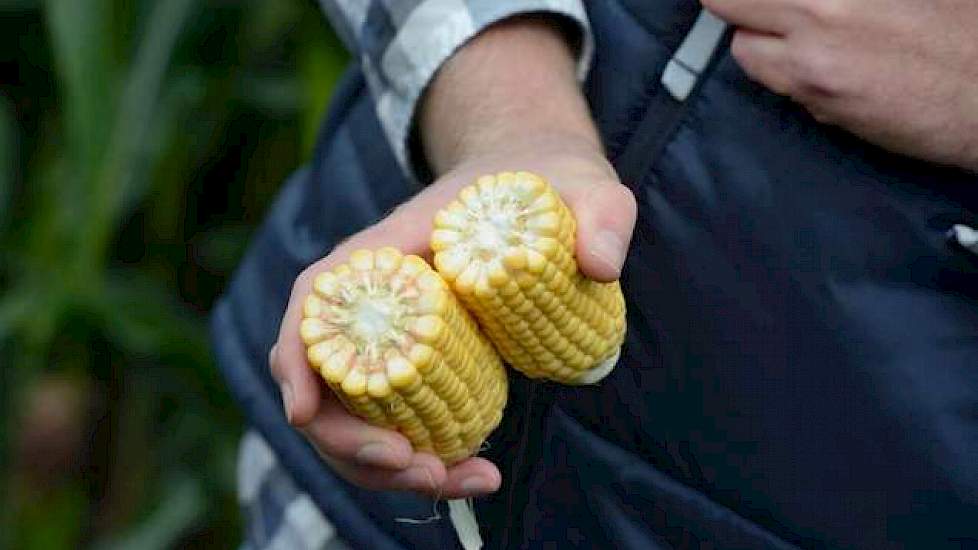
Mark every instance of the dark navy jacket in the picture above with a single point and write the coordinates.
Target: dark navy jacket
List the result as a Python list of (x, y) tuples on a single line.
[(801, 366)]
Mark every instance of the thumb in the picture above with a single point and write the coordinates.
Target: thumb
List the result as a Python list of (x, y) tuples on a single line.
[(605, 214)]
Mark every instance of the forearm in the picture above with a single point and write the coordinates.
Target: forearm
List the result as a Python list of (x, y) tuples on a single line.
[(512, 86)]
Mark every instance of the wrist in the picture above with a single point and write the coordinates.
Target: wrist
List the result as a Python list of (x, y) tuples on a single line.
[(512, 87), (523, 144)]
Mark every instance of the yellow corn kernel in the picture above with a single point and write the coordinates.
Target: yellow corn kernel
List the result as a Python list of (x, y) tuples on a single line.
[(506, 247), (391, 340)]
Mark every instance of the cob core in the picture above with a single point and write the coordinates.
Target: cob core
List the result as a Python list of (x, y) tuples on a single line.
[(396, 347), (506, 246)]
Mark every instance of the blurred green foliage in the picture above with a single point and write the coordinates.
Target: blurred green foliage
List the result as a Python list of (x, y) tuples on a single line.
[(140, 142)]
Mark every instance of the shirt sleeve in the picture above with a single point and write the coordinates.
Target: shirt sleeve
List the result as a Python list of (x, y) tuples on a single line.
[(401, 44)]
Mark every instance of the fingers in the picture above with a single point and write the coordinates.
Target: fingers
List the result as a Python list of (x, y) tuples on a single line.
[(383, 459), (376, 458), (764, 58), (344, 437), (473, 477), (300, 387), (424, 473), (605, 215), (769, 16)]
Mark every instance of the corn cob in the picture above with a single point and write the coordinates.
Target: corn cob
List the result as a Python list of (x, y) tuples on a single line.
[(506, 246), (393, 343)]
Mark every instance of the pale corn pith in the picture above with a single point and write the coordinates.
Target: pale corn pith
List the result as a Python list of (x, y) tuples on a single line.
[(393, 343), (506, 246)]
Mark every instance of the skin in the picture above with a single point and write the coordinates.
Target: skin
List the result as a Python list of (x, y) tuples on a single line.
[(899, 73), (482, 114)]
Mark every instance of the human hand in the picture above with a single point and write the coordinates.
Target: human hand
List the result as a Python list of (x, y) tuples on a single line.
[(482, 115), (376, 458), (899, 73)]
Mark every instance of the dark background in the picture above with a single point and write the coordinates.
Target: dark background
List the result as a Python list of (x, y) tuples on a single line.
[(140, 143)]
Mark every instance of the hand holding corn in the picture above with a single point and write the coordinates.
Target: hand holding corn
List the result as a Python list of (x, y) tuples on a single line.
[(381, 458), (395, 345), (513, 131)]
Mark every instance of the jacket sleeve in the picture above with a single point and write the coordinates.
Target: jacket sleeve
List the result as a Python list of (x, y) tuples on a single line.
[(401, 43)]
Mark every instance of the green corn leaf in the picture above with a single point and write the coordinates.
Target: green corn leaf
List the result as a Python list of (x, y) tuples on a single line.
[(29, 316), (82, 55), (181, 506), (122, 176), (14, 309), (142, 317)]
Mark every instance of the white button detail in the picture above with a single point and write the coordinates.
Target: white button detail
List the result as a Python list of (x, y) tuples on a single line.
[(965, 236)]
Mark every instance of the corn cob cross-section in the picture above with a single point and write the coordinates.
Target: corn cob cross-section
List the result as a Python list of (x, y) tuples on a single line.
[(506, 246), (393, 343)]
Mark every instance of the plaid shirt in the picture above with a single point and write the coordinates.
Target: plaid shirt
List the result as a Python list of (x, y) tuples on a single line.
[(400, 44)]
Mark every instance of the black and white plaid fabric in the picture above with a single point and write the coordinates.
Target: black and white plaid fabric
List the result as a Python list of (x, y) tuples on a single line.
[(277, 515), (401, 43)]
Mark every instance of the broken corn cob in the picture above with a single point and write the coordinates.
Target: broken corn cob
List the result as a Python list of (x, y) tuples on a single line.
[(393, 343), (506, 246)]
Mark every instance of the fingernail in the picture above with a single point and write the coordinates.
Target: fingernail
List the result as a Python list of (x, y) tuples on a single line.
[(475, 485), (287, 399), (376, 454), (608, 248)]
